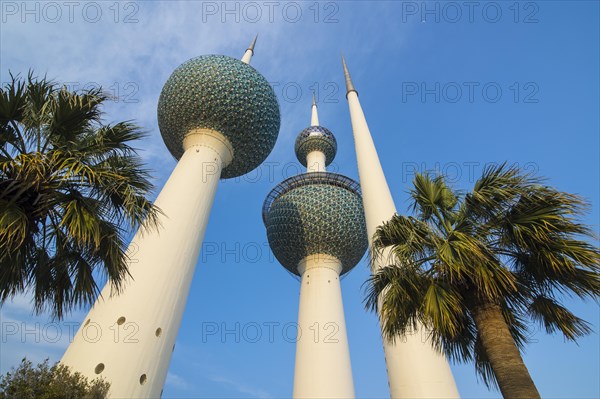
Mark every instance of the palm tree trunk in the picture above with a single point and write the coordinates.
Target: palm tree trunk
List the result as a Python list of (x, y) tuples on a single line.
[(506, 361)]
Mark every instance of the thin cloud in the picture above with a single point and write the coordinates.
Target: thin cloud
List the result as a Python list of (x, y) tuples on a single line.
[(242, 388), (177, 381)]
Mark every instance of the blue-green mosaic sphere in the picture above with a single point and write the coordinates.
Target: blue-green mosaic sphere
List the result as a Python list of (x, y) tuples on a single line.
[(315, 138), (316, 213), (224, 94)]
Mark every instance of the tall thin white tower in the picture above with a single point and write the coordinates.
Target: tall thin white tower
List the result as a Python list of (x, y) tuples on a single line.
[(220, 118), (316, 229), (415, 369)]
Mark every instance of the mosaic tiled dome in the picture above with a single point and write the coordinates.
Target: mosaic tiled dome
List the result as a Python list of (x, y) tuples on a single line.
[(224, 94), (315, 138), (316, 213)]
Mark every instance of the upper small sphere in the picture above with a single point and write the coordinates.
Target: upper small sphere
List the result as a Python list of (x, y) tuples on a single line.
[(223, 94), (315, 138), (316, 213)]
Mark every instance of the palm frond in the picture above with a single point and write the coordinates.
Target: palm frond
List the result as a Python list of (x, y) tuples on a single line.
[(70, 187), (442, 308), (511, 243), (389, 287), (554, 317), (410, 241), (432, 198)]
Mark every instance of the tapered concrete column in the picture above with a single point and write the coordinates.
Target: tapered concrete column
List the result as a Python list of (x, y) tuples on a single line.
[(415, 369), (315, 161), (307, 216), (323, 368), (377, 198), (128, 339)]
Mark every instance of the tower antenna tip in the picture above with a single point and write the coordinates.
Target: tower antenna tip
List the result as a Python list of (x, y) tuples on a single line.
[(251, 48), (349, 85)]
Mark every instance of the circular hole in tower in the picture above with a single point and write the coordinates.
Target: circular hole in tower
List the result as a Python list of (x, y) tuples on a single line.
[(143, 379), (121, 320), (99, 368), (158, 332)]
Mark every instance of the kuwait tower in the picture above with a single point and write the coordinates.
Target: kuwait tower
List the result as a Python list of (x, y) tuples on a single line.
[(415, 369), (219, 118), (316, 229)]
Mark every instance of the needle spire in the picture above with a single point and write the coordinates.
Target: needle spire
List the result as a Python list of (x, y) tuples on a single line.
[(349, 84), (314, 119), (250, 51)]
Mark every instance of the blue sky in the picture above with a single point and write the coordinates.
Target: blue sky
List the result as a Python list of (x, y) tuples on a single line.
[(444, 86)]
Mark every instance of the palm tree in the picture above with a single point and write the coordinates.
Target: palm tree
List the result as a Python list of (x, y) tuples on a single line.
[(473, 269), (69, 188)]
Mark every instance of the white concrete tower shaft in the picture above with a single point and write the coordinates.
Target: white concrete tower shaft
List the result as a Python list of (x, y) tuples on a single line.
[(323, 368), (128, 339), (315, 160), (415, 369)]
